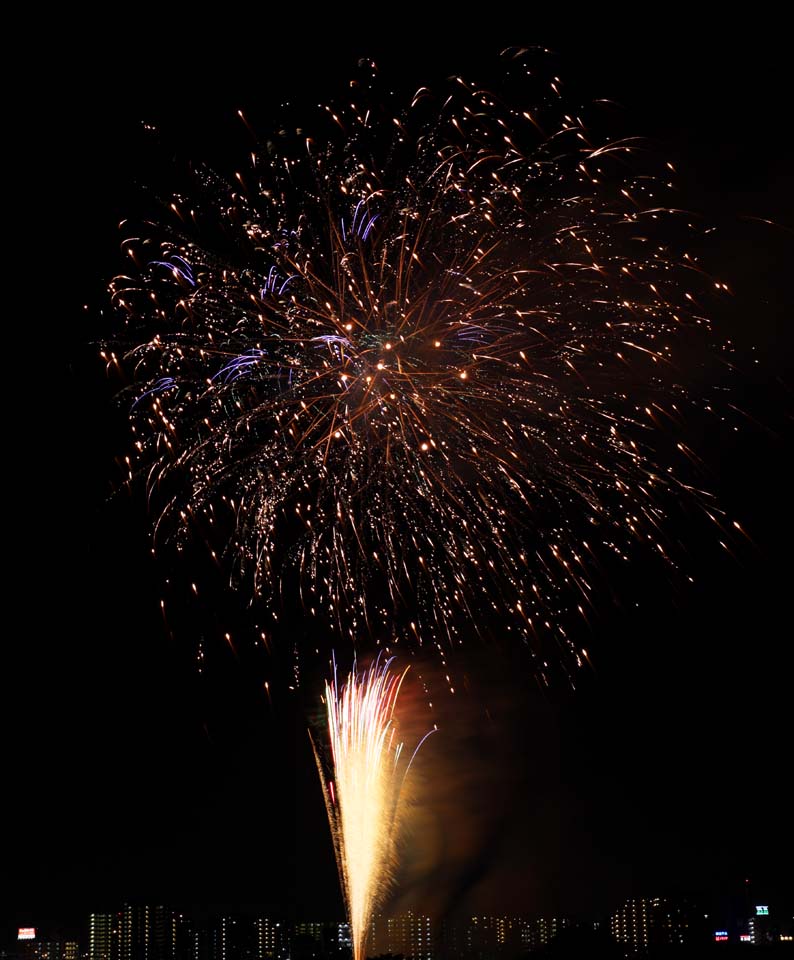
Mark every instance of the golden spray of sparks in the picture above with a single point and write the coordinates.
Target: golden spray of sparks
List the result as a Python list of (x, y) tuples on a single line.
[(362, 794)]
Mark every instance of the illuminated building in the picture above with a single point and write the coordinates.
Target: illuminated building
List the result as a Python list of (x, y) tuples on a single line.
[(142, 933), (658, 922), (206, 943), (242, 938), (407, 935), (307, 941), (537, 933), (101, 936), (183, 938), (487, 937), (239, 939), (26, 939), (270, 939), (345, 936), (145, 933), (759, 927), (312, 930), (631, 924), (33, 947)]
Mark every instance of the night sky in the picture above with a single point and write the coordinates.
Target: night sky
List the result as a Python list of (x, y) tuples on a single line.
[(129, 775)]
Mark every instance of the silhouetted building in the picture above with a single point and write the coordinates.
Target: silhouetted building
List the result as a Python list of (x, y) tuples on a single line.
[(677, 922), (582, 942), (307, 941), (329, 941)]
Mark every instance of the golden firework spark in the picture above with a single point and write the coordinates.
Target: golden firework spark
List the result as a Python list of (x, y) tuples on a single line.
[(420, 373), (363, 793)]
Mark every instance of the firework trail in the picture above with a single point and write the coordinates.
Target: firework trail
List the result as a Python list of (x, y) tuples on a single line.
[(420, 369), (362, 793)]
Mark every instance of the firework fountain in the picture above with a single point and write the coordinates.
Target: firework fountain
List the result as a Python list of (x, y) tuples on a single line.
[(364, 787)]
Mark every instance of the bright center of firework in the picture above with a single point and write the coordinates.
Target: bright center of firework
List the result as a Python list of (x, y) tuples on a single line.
[(383, 375)]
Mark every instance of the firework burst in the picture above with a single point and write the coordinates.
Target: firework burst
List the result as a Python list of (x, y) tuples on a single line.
[(412, 368)]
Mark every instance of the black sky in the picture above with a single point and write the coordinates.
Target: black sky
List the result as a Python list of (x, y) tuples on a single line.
[(128, 775)]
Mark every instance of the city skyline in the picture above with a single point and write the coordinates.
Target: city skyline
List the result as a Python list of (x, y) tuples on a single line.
[(160, 932)]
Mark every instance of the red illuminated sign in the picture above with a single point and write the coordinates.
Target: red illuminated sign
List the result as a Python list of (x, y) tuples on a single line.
[(26, 933)]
